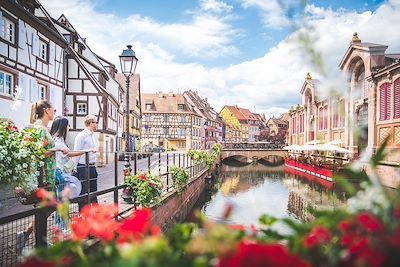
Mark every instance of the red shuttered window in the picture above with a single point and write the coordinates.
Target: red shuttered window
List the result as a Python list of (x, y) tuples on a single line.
[(294, 125), (396, 99), (323, 118), (301, 130), (384, 103)]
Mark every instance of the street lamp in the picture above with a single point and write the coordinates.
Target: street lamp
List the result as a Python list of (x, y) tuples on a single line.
[(128, 61)]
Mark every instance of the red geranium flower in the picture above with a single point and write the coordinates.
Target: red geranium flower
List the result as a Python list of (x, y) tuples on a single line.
[(260, 255), (95, 220), (369, 222), (142, 177), (318, 235), (237, 227), (135, 227), (45, 143)]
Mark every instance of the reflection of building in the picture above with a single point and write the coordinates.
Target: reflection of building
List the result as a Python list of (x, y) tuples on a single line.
[(169, 121), (369, 114), (303, 194)]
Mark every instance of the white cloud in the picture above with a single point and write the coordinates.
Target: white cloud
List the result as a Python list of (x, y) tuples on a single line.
[(270, 84), (273, 12), (215, 6)]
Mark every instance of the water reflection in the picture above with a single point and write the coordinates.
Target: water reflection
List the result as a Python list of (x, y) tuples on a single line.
[(257, 189)]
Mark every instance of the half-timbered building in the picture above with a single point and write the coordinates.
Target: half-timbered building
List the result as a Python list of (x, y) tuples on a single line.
[(90, 89), (169, 121), (211, 122), (31, 60)]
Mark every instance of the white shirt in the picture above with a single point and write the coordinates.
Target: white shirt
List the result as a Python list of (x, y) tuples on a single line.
[(83, 141), (61, 158)]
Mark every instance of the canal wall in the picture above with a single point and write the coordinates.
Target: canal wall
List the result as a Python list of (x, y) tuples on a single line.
[(175, 207)]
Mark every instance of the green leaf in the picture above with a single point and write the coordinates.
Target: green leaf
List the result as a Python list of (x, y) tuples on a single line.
[(380, 153), (267, 220)]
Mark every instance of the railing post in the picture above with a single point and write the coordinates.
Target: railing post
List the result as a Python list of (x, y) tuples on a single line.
[(135, 164), (159, 164), (167, 171), (87, 175), (41, 227), (149, 162), (116, 177)]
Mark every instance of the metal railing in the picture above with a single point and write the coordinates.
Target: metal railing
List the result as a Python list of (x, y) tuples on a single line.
[(109, 191), (252, 146)]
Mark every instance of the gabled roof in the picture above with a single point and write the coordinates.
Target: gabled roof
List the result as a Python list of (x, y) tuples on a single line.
[(356, 44), (165, 103)]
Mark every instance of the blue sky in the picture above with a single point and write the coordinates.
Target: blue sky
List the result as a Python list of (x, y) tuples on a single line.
[(242, 52)]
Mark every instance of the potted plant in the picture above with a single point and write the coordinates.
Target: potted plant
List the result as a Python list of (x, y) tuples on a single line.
[(180, 177), (145, 188)]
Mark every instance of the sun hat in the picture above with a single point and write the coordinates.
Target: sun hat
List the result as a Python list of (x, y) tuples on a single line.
[(74, 185)]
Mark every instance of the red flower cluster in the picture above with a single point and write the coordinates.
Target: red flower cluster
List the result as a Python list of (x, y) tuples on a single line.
[(318, 235), (12, 128), (367, 242), (136, 227), (259, 255), (98, 221), (142, 177)]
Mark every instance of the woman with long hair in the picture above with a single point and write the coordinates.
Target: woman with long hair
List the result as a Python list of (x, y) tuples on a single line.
[(42, 113), (59, 130)]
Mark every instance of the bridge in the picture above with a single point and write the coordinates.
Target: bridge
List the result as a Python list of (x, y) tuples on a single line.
[(252, 152)]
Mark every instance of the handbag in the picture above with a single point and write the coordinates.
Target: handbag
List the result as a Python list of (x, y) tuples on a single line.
[(69, 166)]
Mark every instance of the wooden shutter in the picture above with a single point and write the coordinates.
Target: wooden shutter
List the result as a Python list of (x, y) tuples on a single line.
[(384, 103), (396, 99)]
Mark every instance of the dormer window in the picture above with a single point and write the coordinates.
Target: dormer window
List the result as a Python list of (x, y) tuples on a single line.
[(181, 107), (148, 106)]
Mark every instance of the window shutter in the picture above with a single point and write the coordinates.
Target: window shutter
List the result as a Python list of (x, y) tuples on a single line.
[(1, 20), (35, 45), (34, 91), (22, 83), (52, 53), (21, 34), (385, 102), (396, 100)]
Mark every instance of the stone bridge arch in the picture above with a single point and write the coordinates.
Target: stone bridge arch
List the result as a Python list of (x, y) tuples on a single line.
[(252, 155)]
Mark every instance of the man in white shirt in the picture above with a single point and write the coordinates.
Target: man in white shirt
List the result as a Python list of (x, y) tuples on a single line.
[(83, 141)]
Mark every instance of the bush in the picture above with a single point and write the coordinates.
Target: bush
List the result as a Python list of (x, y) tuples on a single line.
[(180, 177)]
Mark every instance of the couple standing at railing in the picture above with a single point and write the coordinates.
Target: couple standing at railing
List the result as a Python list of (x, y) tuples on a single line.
[(59, 165)]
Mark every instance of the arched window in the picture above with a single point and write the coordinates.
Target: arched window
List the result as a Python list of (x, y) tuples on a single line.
[(396, 99), (361, 85), (384, 103)]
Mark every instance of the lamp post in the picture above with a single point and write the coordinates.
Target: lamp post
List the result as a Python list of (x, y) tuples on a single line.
[(128, 62)]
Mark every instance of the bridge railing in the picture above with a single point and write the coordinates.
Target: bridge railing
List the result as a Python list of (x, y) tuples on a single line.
[(252, 146)]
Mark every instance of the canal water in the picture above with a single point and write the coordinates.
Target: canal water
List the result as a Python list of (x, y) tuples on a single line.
[(257, 189)]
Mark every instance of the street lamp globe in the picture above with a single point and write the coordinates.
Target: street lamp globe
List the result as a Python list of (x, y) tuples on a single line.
[(128, 61)]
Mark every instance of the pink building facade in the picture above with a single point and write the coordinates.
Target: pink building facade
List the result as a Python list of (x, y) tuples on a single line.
[(363, 114)]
